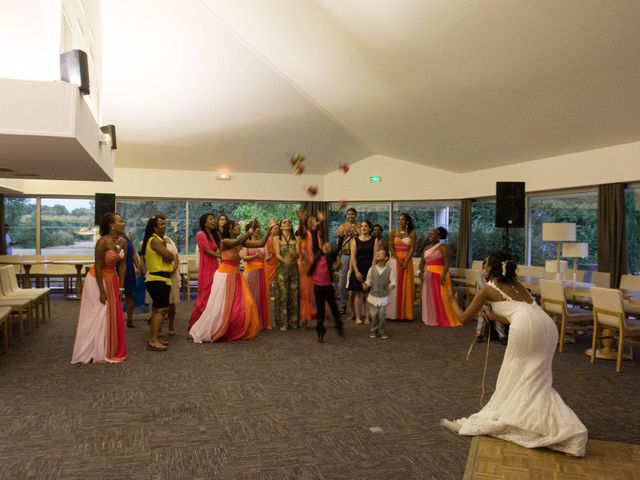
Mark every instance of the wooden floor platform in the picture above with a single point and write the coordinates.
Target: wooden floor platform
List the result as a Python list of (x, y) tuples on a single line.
[(494, 459)]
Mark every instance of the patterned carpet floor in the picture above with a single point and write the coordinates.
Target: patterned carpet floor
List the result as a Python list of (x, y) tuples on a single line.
[(279, 407)]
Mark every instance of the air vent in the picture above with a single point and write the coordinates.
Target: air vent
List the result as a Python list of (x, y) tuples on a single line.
[(6, 170), (26, 175)]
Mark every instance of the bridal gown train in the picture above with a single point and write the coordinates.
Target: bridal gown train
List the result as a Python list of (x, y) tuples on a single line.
[(525, 409)]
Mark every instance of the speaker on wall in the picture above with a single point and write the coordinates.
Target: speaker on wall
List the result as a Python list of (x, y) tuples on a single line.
[(105, 203), (74, 68), (510, 204), (111, 131)]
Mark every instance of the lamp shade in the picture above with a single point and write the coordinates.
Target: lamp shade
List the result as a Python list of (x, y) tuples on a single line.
[(559, 232), (575, 250), (552, 266)]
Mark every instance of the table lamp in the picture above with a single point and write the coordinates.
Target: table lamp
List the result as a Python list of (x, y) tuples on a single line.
[(575, 251), (558, 232)]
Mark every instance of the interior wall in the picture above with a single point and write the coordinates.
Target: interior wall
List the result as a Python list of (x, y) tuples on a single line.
[(400, 180)]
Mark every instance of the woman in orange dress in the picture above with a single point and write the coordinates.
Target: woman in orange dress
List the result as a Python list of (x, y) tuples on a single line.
[(437, 290), (308, 227), (255, 276), (402, 241), (270, 259), (231, 312)]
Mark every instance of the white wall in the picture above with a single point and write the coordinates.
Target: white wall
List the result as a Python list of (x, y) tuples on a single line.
[(400, 180), (30, 39)]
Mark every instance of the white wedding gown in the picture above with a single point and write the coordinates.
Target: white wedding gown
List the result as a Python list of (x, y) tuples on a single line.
[(525, 409)]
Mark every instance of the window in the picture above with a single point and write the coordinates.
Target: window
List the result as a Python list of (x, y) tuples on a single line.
[(429, 215), (20, 216), (243, 212), (375, 212), (137, 213), (579, 208), (486, 237), (632, 207), (67, 226)]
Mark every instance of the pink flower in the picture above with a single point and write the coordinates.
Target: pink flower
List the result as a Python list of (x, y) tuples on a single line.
[(344, 167), (312, 190)]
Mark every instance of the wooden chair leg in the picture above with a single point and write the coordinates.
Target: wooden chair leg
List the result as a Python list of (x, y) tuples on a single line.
[(620, 349), (562, 331), (594, 342)]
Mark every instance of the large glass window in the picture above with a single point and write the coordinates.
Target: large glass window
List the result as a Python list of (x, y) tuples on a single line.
[(243, 212), (375, 212), (67, 226), (579, 208), (632, 204), (137, 212), (429, 215), (486, 237), (20, 217)]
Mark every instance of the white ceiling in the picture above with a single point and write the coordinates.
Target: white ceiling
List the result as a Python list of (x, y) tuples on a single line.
[(460, 85)]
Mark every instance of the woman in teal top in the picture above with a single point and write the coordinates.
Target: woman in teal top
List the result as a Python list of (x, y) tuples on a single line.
[(159, 264)]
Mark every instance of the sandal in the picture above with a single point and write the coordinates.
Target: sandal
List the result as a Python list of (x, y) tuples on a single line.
[(155, 348)]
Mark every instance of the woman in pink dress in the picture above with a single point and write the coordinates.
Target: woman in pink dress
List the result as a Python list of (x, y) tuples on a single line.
[(100, 335), (208, 240), (231, 312), (402, 241), (436, 282), (255, 275)]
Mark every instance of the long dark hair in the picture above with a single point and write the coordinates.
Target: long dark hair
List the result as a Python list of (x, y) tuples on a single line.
[(293, 234), (203, 223), (503, 266), (410, 226), (217, 234), (226, 230), (105, 221), (148, 231)]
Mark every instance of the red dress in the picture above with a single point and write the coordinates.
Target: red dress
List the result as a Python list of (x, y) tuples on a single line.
[(208, 267)]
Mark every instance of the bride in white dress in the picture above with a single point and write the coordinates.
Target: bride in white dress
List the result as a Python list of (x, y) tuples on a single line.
[(524, 409)]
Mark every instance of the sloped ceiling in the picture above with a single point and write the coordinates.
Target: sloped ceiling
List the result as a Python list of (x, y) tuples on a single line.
[(460, 85)]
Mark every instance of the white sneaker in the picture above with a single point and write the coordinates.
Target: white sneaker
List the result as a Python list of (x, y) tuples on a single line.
[(372, 335), (384, 336)]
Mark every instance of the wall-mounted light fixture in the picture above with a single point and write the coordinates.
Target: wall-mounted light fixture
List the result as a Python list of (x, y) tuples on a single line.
[(223, 176)]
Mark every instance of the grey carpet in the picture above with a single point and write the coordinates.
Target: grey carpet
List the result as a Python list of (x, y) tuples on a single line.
[(279, 407)]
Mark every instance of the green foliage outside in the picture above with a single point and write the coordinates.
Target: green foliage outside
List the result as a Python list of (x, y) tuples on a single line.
[(486, 237), (632, 204)]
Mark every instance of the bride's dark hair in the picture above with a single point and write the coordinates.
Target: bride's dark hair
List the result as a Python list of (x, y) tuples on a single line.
[(503, 266)]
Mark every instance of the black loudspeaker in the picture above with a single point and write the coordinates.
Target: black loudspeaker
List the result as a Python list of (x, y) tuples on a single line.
[(105, 203), (111, 131), (510, 204), (74, 68)]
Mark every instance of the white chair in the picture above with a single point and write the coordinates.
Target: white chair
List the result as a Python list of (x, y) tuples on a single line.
[(39, 296), (553, 301), (601, 279), (609, 314), (630, 282), (477, 265)]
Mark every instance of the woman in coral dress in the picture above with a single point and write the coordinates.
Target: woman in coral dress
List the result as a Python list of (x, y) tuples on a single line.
[(401, 244), (308, 228), (208, 241), (524, 408), (100, 334), (231, 312), (254, 274), (436, 282)]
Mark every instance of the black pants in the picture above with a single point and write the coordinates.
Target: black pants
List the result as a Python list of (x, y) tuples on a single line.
[(326, 294)]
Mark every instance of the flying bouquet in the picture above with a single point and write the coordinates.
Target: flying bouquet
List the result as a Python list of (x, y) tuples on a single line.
[(344, 167), (312, 190), (297, 163)]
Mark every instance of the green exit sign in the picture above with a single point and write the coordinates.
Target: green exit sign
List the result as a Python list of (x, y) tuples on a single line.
[(375, 178)]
